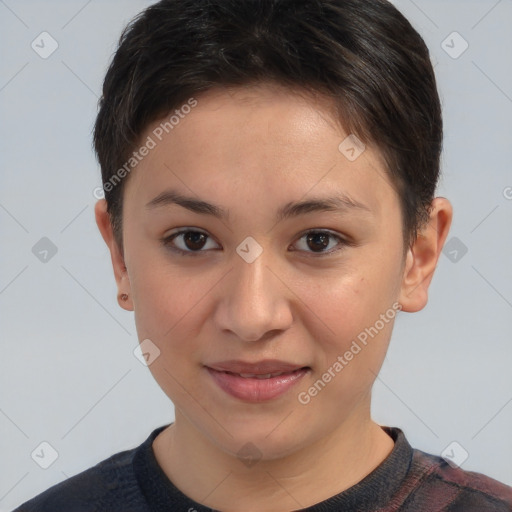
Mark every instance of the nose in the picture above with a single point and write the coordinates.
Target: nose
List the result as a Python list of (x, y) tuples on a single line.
[(254, 303)]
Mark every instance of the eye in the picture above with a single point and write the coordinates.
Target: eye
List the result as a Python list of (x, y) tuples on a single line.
[(319, 241), (191, 242), (187, 241)]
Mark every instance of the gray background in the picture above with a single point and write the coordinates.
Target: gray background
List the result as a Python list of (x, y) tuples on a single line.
[(68, 373)]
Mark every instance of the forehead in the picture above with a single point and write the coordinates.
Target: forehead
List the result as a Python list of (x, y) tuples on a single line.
[(261, 140)]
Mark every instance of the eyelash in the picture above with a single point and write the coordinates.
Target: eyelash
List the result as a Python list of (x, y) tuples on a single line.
[(167, 242)]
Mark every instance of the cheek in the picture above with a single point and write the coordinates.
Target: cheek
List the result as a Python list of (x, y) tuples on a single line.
[(166, 309), (352, 327), (164, 300), (345, 307), (351, 340)]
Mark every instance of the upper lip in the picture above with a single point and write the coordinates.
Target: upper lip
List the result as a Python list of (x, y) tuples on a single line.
[(258, 368)]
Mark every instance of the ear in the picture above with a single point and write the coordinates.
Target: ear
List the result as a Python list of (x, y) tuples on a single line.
[(120, 271), (423, 255)]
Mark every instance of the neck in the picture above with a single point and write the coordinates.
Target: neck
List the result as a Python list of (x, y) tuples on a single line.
[(216, 479)]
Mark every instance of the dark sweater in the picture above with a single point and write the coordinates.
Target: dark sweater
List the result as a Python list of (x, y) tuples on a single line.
[(408, 480)]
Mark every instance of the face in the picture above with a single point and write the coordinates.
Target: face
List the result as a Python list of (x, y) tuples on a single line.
[(255, 246)]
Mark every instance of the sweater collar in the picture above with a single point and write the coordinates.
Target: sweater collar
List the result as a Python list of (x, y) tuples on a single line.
[(372, 492)]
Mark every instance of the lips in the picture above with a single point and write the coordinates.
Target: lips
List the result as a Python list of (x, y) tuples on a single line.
[(256, 382), (258, 376), (259, 368)]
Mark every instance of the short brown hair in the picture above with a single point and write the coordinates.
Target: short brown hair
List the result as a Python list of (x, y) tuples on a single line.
[(363, 54)]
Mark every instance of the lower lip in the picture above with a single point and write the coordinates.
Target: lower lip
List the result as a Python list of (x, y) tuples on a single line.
[(256, 390)]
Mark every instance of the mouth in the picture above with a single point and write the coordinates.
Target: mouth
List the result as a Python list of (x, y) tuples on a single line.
[(256, 382), (259, 376)]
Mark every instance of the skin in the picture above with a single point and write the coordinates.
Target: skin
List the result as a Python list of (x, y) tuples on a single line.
[(252, 150)]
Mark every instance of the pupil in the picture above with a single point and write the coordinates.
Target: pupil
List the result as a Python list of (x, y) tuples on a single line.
[(194, 239), (321, 239)]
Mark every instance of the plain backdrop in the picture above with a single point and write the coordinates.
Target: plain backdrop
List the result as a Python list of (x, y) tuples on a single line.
[(68, 373)]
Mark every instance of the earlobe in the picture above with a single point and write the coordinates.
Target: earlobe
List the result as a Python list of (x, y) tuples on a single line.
[(423, 255), (118, 264)]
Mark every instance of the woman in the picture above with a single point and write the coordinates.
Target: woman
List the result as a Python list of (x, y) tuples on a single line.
[(269, 170)]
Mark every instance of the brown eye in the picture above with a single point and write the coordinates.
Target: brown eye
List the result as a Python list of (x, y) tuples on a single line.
[(321, 243), (194, 240), (318, 241), (188, 241)]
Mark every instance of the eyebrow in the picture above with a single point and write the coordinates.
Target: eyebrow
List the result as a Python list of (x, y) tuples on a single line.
[(341, 203)]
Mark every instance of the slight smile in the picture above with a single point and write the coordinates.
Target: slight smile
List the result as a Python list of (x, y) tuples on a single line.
[(256, 382)]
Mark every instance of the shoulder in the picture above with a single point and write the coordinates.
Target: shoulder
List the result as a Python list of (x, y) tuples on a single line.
[(437, 483), (109, 485)]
